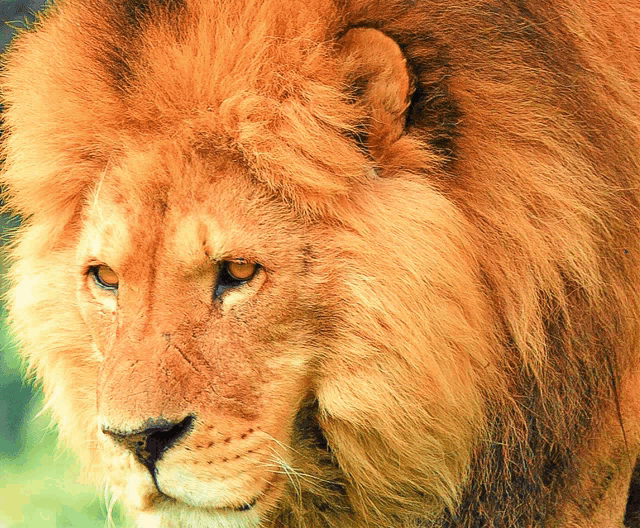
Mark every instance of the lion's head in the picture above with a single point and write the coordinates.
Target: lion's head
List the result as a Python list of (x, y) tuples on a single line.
[(298, 264)]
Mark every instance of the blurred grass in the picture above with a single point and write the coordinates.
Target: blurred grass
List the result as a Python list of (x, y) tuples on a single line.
[(42, 488), (40, 485)]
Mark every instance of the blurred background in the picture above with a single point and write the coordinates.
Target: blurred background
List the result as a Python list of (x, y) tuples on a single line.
[(41, 486)]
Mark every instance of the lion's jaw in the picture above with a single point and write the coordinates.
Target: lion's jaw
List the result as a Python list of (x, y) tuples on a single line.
[(233, 369)]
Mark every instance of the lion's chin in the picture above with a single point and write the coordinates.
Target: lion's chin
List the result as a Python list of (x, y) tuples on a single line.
[(176, 515), (155, 509), (171, 513), (221, 494)]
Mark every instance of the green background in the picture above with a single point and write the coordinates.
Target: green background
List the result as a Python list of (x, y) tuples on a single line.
[(41, 485)]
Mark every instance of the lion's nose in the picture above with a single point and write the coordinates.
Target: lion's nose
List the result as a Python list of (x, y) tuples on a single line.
[(149, 444)]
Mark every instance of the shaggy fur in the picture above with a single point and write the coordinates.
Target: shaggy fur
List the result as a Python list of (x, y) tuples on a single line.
[(442, 196)]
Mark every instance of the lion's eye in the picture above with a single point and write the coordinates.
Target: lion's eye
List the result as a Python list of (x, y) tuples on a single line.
[(242, 270), (104, 277), (234, 273)]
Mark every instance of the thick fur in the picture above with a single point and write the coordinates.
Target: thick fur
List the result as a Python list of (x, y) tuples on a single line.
[(443, 198)]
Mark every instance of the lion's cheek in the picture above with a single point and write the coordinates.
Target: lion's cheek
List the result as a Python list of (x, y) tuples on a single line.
[(99, 321)]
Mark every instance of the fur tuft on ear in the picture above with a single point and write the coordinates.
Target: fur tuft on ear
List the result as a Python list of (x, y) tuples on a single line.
[(377, 73)]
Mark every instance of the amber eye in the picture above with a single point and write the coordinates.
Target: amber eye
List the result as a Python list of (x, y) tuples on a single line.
[(241, 270), (234, 273), (105, 277)]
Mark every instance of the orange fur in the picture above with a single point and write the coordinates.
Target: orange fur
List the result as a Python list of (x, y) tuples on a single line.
[(443, 201)]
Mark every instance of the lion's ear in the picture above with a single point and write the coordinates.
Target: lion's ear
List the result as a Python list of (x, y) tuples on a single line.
[(376, 72)]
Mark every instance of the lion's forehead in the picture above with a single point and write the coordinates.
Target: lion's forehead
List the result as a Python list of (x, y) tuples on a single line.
[(185, 216)]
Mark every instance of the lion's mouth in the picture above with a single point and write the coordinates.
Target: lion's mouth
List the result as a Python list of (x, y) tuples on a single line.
[(163, 497), (247, 506)]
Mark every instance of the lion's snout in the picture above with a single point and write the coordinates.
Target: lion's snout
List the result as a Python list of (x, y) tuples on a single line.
[(149, 444), (228, 467)]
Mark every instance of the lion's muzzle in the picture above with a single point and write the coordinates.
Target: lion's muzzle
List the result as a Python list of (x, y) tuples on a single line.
[(148, 445)]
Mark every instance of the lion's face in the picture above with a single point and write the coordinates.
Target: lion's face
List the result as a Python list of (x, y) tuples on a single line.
[(179, 337)]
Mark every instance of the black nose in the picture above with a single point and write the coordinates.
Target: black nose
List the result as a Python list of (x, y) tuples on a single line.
[(149, 444)]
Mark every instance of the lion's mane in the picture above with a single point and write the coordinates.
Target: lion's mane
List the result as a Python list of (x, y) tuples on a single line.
[(469, 211)]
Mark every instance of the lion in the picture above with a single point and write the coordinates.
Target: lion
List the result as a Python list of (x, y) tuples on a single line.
[(338, 264)]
